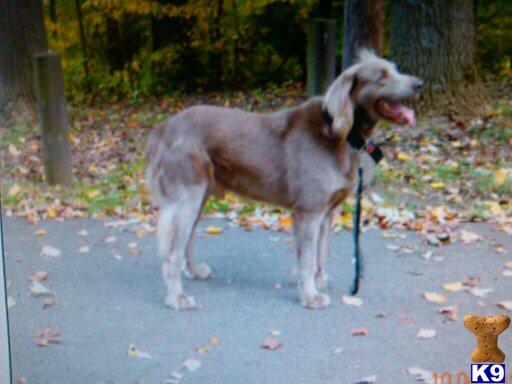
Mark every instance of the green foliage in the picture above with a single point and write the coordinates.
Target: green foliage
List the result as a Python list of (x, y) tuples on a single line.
[(494, 36), (140, 48)]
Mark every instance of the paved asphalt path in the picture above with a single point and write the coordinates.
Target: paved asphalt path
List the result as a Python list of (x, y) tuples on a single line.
[(104, 304)]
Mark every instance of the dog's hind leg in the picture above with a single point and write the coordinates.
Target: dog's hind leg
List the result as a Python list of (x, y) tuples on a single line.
[(199, 271), (175, 226)]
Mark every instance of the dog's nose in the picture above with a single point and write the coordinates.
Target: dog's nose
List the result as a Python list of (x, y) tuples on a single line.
[(418, 85)]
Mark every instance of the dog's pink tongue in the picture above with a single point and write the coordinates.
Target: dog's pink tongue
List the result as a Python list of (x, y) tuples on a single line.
[(404, 115)]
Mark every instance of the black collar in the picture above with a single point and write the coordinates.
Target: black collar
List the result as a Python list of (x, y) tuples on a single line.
[(354, 137)]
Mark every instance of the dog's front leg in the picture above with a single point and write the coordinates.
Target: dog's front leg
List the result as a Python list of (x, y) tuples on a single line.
[(323, 251), (307, 232)]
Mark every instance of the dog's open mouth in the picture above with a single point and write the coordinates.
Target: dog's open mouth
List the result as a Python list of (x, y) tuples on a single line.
[(395, 111)]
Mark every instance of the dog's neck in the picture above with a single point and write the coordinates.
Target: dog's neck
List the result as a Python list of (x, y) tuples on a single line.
[(362, 126), (358, 135)]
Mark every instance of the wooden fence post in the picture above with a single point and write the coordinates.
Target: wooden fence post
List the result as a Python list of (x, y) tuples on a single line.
[(53, 117), (321, 55)]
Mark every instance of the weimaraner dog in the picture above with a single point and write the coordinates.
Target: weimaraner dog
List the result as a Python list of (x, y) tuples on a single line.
[(303, 158)]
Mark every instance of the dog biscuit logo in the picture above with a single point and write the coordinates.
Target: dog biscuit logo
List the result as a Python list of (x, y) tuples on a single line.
[(487, 353)]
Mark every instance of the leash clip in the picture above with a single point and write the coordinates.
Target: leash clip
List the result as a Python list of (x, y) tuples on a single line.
[(373, 150)]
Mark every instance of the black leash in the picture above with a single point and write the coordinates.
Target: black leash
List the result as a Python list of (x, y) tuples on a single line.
[(376, 154), (358, 142), (356, 257)]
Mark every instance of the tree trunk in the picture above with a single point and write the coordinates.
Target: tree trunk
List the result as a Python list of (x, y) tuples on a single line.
[(364, 28), (434, 40), (321, 55), (22, 34), (83, 41), (53, 117)]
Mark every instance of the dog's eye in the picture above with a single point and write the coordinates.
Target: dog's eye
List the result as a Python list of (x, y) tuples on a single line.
[(383, 76)]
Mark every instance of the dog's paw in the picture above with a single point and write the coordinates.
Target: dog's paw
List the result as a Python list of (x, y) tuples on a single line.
[(202, 271), (318, 301), (321, 280), (180, 302)]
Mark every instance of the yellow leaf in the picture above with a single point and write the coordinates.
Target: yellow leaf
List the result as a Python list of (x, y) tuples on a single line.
[(434, 297), (494, 207), (437, 185), (286, 221), (14, 190), (345, 219), (213, 230), (52, 213), (499, 177), (92, 194), (40, 232), (453, 287), (402, 156)]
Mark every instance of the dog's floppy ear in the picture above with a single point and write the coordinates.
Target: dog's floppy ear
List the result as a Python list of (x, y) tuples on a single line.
[(339, 104)]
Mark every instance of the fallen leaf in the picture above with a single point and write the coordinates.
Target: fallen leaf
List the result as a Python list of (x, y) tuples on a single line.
[(213, 230), (425, 333), (192, 364), (37, 289), (434, 297), (453, 287), (177, 375), (359, 331), (110, 239), (432, 240), (47, 335), (505, 305), (479, 292), (367, 380), (214, 340), (38, 276), (421, 374), (437, 185), (52, 213), (450, 313), (203, 349), (467, 237), (286, 222), (271, 343), (84, 249), (406, 319), (338, 350), (508, 264), (39, 232), (404, 157), (134, 352), (13, 190), (500, 176), (48, 303), (352, 300), (133, 248), (48, 251), (471, 281), (21, 380), (10, 302)]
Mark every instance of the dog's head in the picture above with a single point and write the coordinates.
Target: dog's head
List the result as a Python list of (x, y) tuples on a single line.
[(375, 85)]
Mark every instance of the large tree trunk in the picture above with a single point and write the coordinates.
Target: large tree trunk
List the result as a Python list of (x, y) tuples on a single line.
[(364, 28), (434, 40), (22, 34)]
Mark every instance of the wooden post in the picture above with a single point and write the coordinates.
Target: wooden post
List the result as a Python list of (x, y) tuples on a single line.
[(321, 55), (53, 116)]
